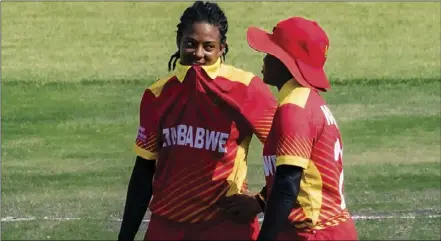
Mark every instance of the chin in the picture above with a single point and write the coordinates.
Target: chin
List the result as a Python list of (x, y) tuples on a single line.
[(269, 83)]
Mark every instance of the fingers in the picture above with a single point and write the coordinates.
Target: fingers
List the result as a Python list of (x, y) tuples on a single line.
[(231, 201), (235, 209), (227, 203), (239, 207)]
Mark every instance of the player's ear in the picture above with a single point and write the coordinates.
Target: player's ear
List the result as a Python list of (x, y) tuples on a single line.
[(223, 46)]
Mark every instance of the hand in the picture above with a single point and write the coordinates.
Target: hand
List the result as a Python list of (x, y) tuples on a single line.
[(241, 207)]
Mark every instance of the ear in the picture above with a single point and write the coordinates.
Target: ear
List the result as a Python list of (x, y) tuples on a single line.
[(223, 46)]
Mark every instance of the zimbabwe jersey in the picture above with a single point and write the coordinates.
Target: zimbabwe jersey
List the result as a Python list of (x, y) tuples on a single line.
[(305, 134), (198, 123)]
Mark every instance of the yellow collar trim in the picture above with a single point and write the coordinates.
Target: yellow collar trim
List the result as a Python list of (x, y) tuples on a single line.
[(211, 70), (287, 88)]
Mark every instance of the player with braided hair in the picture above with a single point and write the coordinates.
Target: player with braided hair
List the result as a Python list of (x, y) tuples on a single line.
[(208, 13), (194, 132)]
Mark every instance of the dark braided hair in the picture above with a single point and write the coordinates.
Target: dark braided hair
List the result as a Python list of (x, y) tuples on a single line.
[(201, 12)]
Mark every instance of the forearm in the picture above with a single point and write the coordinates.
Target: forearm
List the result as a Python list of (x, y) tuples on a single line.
[(261, 198), (280, 202), (138, 197)]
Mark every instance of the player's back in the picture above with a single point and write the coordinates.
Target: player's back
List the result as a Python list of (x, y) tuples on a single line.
[(203, 139), (327, 156), (320, 201), (306, 134)]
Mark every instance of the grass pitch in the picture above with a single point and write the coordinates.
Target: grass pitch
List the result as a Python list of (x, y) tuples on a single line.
[(73, 75)]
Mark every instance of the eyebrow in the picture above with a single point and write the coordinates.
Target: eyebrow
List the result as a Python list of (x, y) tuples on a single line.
[(206, 42)]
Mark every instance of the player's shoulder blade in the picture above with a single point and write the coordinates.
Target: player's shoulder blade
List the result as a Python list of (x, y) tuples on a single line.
[(298, 97), (234, 74), (157, 87)]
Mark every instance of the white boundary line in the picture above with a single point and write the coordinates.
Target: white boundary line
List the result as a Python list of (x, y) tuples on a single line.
[(355, 217)]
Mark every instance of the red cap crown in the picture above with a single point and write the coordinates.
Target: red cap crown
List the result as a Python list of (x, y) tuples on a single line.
[(301, 44), (311, 42)]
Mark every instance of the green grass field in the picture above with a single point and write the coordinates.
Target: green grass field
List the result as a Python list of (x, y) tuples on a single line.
[(73, 75)]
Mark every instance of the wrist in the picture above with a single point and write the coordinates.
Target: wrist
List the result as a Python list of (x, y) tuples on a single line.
[(261, 200)]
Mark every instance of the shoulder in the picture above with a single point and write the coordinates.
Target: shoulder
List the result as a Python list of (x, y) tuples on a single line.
[(298, 97), (234, 74), (157, 87)]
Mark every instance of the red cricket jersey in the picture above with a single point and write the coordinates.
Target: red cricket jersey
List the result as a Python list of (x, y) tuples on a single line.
[(305, 134), (198, 124)]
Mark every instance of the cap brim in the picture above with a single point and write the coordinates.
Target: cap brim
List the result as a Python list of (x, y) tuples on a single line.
[(260, 41), (306, 75), (314, 76)]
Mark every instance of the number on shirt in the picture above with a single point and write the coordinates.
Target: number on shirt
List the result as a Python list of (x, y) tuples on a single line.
[(340, 189), (338, 155)]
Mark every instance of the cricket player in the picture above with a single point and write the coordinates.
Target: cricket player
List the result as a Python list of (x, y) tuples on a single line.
[(195, 129), (303, 155)]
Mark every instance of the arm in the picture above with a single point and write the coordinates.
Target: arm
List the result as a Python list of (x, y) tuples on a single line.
[(261, 198), (284, 193), (292, 137), (139, 190), (257, 107), (138, 197)]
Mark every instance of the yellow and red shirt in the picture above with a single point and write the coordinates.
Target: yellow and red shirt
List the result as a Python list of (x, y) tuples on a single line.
[(197, 124), (305, 134)]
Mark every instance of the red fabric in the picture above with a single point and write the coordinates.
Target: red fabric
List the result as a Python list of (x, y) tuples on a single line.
[(301, 44), (201, 124), (163, 229), (343, 231)]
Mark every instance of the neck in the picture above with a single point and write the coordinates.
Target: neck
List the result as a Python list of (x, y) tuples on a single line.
[(280, 86), (281, 83)]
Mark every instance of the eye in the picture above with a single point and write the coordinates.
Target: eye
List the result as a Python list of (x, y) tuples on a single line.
[(188, 44), (209, 47)]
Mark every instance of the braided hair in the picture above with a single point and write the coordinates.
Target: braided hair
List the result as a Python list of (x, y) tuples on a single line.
[(201, 12)]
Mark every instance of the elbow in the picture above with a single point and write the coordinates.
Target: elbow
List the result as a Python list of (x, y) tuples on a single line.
[(287, 181)]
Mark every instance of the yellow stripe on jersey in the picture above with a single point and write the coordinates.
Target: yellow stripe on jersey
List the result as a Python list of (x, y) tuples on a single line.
[(181, 71), (239, 173), (213, 70), (310, 194), (145, 153), (156, 88), (293, 161), (218, 70), (236, 75), (293, 93)]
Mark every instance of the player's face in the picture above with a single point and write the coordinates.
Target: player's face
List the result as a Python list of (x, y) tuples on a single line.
[(274, 71), (200, 44)]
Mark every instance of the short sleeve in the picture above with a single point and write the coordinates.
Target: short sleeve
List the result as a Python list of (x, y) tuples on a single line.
[(146, 140), (293, 136), (259, 107)]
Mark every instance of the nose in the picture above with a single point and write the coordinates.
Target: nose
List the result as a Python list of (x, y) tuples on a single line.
[(199, 53)]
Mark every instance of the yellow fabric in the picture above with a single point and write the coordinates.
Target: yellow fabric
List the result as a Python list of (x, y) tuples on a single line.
[(293, 161), (211, 70), (235, 75), (145, 153), (310, 195), (239, 173), (156, 88), (292, 93), (217, 70)]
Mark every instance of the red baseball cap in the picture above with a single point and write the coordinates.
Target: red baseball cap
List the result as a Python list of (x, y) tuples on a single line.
[(301, 44)]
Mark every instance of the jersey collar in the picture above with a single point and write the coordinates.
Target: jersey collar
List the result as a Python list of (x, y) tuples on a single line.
[(211, 70), (287, 88)]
